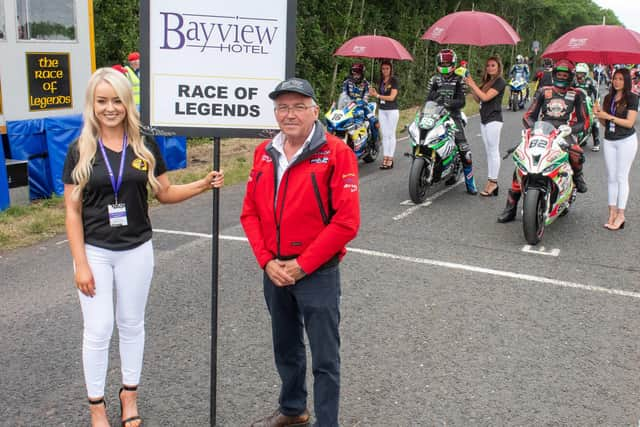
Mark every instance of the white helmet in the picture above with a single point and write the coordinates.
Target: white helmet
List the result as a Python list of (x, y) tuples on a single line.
[(582, 68), (520, 59)]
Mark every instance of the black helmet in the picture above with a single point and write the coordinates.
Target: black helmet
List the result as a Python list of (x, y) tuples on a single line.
[(358, 68), (566, 66), (547, 62)]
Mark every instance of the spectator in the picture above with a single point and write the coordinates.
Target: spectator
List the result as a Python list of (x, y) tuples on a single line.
[(133, 74), (298, 228)]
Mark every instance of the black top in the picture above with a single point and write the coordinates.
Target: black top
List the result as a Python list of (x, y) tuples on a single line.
[(98, 193), (385, 89), (621, 111), (491, 111)]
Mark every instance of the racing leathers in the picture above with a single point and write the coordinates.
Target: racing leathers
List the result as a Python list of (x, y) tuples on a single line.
[(589, 87), (523, 70), (358, 91), (556, 106), (449, 90)]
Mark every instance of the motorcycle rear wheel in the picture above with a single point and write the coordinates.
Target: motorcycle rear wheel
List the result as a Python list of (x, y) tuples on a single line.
[(533, 216), (418, 184)]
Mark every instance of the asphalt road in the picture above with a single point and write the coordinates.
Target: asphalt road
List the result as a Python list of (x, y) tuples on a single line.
[(447, 318)]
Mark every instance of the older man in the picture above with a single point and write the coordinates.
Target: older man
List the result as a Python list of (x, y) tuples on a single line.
[(300, 210)]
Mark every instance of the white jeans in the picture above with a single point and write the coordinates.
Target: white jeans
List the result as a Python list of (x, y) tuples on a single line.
[(130, 273), (491, 137), (618, 156), (388, 123)]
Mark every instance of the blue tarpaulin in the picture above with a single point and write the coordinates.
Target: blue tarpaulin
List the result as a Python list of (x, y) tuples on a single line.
[(4, 185), (174, 151), (27, 142), (60, 132), (44, 143)]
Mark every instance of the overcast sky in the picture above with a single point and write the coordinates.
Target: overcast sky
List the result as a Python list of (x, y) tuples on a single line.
[(627, 11)]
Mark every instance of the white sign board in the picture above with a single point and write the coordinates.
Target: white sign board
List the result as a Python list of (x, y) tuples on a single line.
[(208, 66)]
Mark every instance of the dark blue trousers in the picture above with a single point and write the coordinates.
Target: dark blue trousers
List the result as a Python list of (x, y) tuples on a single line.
[(312, 304)]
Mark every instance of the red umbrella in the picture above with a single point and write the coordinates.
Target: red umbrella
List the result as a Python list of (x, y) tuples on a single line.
[(597, 44), (374, 47), (471, 28)]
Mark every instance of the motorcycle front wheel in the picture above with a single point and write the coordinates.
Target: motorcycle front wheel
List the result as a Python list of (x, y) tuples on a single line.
[(514, 101), (373, 149), (533, 216), (418, 176)]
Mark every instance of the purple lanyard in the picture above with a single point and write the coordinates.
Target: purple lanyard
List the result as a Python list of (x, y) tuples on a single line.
[(115, 184), (613, 105)]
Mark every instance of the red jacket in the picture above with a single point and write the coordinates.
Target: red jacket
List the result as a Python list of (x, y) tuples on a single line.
[(317, 208)]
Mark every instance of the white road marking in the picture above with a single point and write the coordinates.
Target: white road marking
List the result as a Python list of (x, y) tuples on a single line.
[(426, 203), (451, 265), (62, 242), (540, 250)]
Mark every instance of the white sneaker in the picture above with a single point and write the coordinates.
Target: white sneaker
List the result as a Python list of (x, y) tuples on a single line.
[(595, 148)]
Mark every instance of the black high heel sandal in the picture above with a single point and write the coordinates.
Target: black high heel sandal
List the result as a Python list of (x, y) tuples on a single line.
[(493, 192), (135, 417), (97, 402)]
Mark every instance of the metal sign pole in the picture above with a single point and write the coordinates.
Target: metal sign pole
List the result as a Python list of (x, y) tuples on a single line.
[(215, 232)]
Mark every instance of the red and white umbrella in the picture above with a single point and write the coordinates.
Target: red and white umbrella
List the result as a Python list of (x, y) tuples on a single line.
[(371, 46), (597, 44), (472, 28)]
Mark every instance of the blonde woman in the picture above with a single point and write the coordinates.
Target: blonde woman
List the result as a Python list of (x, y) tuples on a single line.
[(489, 94), (106, 174)]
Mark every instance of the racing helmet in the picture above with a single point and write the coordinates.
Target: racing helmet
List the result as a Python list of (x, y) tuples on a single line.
[(519, 59), (547, 62), (446, 61), (566, 66), (582, 71), (357, 68)]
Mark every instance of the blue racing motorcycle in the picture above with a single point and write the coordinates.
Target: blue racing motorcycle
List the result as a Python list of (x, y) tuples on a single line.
[(348, 121)]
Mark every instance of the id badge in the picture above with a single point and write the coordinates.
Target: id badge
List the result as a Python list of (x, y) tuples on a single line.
[(612, 127), (117, 215)]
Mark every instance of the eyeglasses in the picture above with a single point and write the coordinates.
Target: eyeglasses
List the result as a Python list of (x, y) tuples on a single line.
[(297, 109)]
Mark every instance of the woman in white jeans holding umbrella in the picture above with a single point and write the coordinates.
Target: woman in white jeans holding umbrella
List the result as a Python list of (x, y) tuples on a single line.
[(618, 115), (389, 113), (490, 95)]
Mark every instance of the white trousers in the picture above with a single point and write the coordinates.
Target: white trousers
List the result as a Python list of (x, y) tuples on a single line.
[(491, 137), (388, 123), (618, 156), (129, 272)]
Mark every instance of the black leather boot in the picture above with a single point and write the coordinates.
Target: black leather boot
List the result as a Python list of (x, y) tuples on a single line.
[(510, 210), (578, 180)]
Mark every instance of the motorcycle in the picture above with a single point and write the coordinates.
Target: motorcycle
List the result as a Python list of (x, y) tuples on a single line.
[(434, 151), (519, 92), (348, 121), (545, 176)]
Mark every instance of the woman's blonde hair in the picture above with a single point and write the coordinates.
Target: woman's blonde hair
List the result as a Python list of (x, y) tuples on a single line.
[(87, 143)]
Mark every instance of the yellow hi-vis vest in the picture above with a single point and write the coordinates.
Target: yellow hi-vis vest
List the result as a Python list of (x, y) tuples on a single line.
[(135, 84)]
